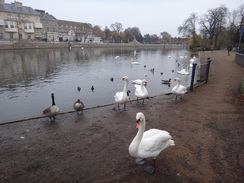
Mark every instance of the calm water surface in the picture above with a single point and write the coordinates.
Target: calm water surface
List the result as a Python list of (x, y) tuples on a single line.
[(28, 77)]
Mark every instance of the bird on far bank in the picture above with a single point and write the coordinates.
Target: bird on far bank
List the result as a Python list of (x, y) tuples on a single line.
[(51, 111)]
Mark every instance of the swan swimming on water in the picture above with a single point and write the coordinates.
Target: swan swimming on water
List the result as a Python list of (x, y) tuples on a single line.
[(148, 144), (139, 81), (184, 71), (122, 97)]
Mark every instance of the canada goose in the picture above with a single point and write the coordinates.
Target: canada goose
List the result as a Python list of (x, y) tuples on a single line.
[(51, 111), (79, 106), (166, 81)]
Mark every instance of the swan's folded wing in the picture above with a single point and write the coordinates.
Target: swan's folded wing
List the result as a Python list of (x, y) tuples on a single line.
[(118, 96), (154, 141)]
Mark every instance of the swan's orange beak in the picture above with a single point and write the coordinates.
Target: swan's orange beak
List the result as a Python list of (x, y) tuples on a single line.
[(138, 124)]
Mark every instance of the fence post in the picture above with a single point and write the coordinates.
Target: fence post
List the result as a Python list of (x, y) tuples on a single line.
[(193, 76), (207, 69)]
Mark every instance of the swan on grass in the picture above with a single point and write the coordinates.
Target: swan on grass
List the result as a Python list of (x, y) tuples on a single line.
[(139, 81), (51, 111), (148, 144), (122, 97), (178, 89), (141, 91), (79, 106), (184, 71)]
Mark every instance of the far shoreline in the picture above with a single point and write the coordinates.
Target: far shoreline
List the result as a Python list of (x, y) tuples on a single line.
[(44, 45)]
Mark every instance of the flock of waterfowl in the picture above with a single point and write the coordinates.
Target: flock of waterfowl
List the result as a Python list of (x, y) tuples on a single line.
[(122, 98), (146, 144)]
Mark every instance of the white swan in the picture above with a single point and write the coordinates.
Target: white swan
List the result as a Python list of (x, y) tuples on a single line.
[(184, 71), (149, 144), (78, 106), (139, 81), (141, 91), (51, 111), (122, 97), (135, 63), (178, 89), (191, 62)]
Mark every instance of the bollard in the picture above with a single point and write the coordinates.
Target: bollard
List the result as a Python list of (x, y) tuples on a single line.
[(193, 75), (207, 69)]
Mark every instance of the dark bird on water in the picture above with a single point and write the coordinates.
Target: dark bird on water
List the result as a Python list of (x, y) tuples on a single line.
[(112, 79), (166, 81), (92, 88), (78, 88)]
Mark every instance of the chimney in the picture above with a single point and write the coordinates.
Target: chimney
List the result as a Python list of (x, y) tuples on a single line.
[(16, 3)]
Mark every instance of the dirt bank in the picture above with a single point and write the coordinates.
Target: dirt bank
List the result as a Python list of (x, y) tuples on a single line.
[(207, 126)]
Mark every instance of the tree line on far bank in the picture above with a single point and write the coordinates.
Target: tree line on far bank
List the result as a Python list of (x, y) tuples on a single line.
[(217, 28)]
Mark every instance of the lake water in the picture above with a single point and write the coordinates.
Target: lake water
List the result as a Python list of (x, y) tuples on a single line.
[(28, 77)]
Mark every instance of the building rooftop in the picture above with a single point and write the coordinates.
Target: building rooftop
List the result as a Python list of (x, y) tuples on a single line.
[(18, 8)]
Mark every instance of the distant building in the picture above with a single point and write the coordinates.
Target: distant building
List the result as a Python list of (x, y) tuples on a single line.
[(50, 26), (74, 31), (19, 22)]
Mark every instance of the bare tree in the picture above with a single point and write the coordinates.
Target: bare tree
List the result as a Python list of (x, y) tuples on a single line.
[(214, 23), (188, 29), (166, 37), (117, 27)]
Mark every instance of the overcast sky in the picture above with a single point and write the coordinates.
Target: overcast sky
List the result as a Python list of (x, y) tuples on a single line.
[(150, 16)]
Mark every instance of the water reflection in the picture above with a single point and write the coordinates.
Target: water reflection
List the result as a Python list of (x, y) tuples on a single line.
[(28, 77)]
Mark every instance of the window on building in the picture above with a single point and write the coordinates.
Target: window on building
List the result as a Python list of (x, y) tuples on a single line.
[(30, 26), (1, 36), (25, 25), (11, 25)]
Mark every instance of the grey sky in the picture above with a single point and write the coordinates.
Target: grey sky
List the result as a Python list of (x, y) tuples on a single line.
[(150, 16)]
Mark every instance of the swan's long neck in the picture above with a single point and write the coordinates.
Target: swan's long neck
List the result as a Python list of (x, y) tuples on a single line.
[(178, 85), (137, 139), (125, 88)]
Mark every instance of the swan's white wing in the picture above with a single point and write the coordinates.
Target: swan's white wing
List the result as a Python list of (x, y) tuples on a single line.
[(118, 96), (153, 142), (137, 81)]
